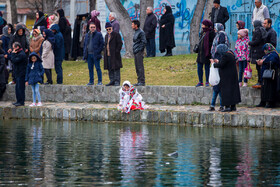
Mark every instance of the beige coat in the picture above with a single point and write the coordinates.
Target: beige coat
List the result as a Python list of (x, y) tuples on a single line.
[(35, 44), (47, 55)]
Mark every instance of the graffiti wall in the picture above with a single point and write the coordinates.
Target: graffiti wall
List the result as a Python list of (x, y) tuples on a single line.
[(183, 12)]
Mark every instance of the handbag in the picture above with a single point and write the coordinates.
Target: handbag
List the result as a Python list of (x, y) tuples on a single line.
[(248, 72), (269, 73), (196, 47)]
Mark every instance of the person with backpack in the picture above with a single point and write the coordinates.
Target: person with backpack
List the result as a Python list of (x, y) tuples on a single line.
[(34, 76), (65, 29)]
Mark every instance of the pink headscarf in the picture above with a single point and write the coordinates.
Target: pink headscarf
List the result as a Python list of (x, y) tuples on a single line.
[(94, 13), (243, 32)]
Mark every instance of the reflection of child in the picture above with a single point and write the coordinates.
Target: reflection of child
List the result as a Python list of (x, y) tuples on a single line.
[(34, 75), (130, 99)]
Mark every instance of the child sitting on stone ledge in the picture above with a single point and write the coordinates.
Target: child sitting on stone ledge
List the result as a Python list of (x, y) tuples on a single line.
[(130, 99)]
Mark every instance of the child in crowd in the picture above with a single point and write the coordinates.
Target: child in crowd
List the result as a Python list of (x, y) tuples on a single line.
[(34, 75), (48, 55), (242, 51), (130, 99)]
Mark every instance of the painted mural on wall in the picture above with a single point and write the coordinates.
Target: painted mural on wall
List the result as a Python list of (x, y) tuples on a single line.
[(183, 12)]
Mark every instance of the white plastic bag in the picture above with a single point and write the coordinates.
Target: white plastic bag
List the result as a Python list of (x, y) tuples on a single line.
[(214, 77)]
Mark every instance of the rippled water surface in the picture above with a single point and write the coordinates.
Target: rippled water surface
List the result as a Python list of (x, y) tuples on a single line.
[(35, 153)]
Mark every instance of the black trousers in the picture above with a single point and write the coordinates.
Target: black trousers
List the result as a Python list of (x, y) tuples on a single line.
[(139, 66), (20, 89), (48, 73), (259, 73), (114, 74)]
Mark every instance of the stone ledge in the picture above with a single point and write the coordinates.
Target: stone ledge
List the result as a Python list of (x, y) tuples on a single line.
[(172, 95), (190, 115)]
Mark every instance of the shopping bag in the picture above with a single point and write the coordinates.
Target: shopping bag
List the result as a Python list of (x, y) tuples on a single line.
[(248, 72), (214, 78)]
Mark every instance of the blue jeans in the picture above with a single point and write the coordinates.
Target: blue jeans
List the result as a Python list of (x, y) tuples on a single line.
[(200, 71), (35, 91), (215, 95), (59, 72), (242, 66), (151, 47), (92, 61)]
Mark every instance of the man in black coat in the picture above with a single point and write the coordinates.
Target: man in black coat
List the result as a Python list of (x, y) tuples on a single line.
[(219, 14), (271, 33), (139, 43), (112, 55), (150, 31)]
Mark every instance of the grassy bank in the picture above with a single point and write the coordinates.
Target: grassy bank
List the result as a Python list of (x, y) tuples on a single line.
[(176, 70)]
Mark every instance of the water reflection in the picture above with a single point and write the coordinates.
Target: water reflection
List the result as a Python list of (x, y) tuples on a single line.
[(36, 153)]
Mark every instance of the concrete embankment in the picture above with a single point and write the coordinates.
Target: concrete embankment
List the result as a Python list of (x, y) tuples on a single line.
[(184, 115)]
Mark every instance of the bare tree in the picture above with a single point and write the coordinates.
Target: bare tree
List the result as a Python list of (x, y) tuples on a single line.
[(13, 5), (143, 6), (125, 24), (92, 5), (195, 23), (46, 6), (208, 9)]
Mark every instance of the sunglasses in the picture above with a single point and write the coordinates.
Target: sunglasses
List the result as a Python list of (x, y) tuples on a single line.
[(108, 29), (92, 27)]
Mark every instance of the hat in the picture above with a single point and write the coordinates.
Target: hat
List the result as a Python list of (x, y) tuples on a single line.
[(243, 32), (108, 24), (217, 1)]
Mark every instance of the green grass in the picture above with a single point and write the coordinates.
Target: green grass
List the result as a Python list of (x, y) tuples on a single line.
[(178, 70)]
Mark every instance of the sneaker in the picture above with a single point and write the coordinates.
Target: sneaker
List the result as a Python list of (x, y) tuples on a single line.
[(12, 82), (99, 84), (240, 84), (33, 104), (39, 104), (258, 85), (90, 84), (199, 84), (207, 84), (211, 109), (245, 85), (221, 108)]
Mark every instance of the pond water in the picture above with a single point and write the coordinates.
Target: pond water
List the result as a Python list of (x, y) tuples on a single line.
[(35, 153)]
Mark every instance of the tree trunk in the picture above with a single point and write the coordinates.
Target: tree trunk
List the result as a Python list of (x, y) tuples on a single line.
[(14, 11), (208, 9), (92, 5), (195, 23), (143, 6), (125, 25)]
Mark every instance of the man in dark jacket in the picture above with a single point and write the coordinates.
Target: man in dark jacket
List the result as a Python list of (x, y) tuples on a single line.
[(139, 42), (65, 29), (19, 60), (93, 46), (271, 33), (59, 53), (112, 55), (219, 14), (115, 23), (150, 31)]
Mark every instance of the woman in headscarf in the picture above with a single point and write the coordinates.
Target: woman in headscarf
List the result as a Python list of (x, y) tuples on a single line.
[(95, 20), (130, 99), (220, 38), (166, 32), (40, 20), (36, 41), (53, 19), (230, 91), (256, 50), (204, 51), (270, 86), (240, 25)]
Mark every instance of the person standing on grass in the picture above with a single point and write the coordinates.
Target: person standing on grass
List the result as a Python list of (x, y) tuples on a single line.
[(219, 14), (19, 60), (260, 12), (36, 41), (204, 51), (95, 20), (112, 55), (166, 31), (271, 33), (48, 55), (150, 31), (93, 46), (139, 43), (115, 23), (58, 52), (34, 76), (21, 38), (242, 51)]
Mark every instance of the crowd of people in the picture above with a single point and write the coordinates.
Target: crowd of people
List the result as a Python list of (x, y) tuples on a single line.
[(214, 48), (27, 56)]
